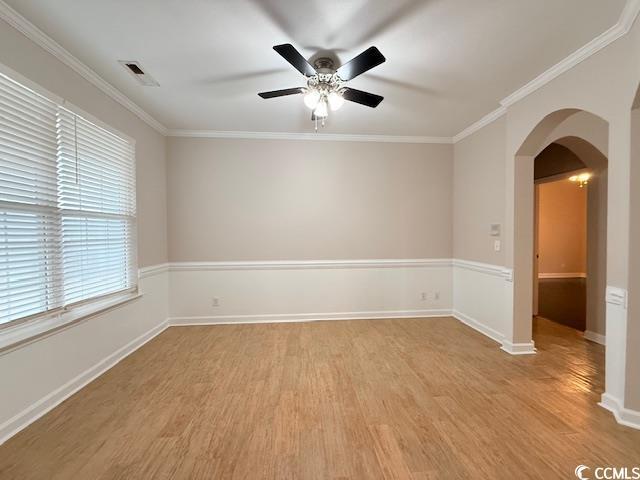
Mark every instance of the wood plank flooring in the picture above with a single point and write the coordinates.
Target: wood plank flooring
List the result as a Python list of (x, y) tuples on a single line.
[(395, 399), (564, 300)]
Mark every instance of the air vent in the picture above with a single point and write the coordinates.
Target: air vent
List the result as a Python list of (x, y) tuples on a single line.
[(136, 70)]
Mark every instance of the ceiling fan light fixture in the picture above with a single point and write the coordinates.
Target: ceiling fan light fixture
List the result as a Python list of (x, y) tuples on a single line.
[(325, 89), (312, 98), (336, 100)]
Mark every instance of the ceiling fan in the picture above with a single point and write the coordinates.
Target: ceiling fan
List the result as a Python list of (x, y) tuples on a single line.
[(326, 88)]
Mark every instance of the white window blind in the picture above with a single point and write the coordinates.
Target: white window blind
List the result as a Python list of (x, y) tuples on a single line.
[(67, 207), (96, 196), (29, 223)]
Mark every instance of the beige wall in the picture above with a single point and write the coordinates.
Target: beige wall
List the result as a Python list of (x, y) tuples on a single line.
[(597, 251), (37, 65), (605, 84), (562, 228), (478, 193), (633, 336), (308, 200)]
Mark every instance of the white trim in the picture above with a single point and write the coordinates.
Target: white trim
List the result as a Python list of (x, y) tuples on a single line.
[(333, 137), (495, 270), (624, 416), (483, 122), (152, 270), (50, 401), (40, 327), (309, 264), (621, 28), (616, 296), (478, 326), (527, 348), (40, 38), (563, 275), (305, 317), (595, 337), (67, 105)]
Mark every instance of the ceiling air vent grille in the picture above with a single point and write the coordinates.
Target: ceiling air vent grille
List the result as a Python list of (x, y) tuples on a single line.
[(136, 70)]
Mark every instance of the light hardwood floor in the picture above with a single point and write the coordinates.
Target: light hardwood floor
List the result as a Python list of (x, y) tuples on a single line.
[(417, 398)]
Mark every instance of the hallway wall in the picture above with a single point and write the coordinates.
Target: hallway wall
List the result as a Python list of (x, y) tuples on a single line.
[(562, 233)]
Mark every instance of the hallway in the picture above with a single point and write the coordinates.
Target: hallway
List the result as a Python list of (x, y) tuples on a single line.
[(564, 300)]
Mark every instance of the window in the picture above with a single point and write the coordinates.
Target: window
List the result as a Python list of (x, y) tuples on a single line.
[(67, 207)]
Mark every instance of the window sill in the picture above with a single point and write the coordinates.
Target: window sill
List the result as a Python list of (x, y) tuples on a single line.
[(23, 334)]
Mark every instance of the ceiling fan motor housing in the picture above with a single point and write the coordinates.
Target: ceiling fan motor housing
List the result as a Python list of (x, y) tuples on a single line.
[(324, 65)]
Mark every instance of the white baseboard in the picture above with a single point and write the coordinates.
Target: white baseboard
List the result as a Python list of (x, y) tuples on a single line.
[(595, 337), (624, 416), (527, 348), (50, 401), (562, 275), (305, 317), (478, 326)]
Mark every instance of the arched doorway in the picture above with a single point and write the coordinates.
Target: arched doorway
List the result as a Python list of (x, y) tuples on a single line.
[(569, 305), (586, 135)]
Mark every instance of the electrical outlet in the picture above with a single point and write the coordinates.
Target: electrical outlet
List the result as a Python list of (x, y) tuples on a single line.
[(424, 296), (497, 245), (436, 295), (215, 302)]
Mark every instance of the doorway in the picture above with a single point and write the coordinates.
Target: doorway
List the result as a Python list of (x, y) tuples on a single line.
[(561, 250), (569, 254)]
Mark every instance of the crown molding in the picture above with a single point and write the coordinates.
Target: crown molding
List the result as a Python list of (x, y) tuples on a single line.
[(332, 137), (483, 122), (33, 33), (620, 29)]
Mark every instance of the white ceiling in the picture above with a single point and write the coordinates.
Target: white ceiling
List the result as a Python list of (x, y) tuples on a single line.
[(449, 62)]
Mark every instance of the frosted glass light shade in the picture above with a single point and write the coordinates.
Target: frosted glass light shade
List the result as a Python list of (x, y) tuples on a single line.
[(321, 110), (335, 101), (311, 99)]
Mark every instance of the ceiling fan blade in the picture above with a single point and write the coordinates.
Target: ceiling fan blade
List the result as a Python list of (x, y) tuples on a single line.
[(291, 55), (368, 59), (281, 93), (364, 98)]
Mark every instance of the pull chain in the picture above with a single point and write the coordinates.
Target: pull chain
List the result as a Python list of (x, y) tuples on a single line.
[(75, 134)]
